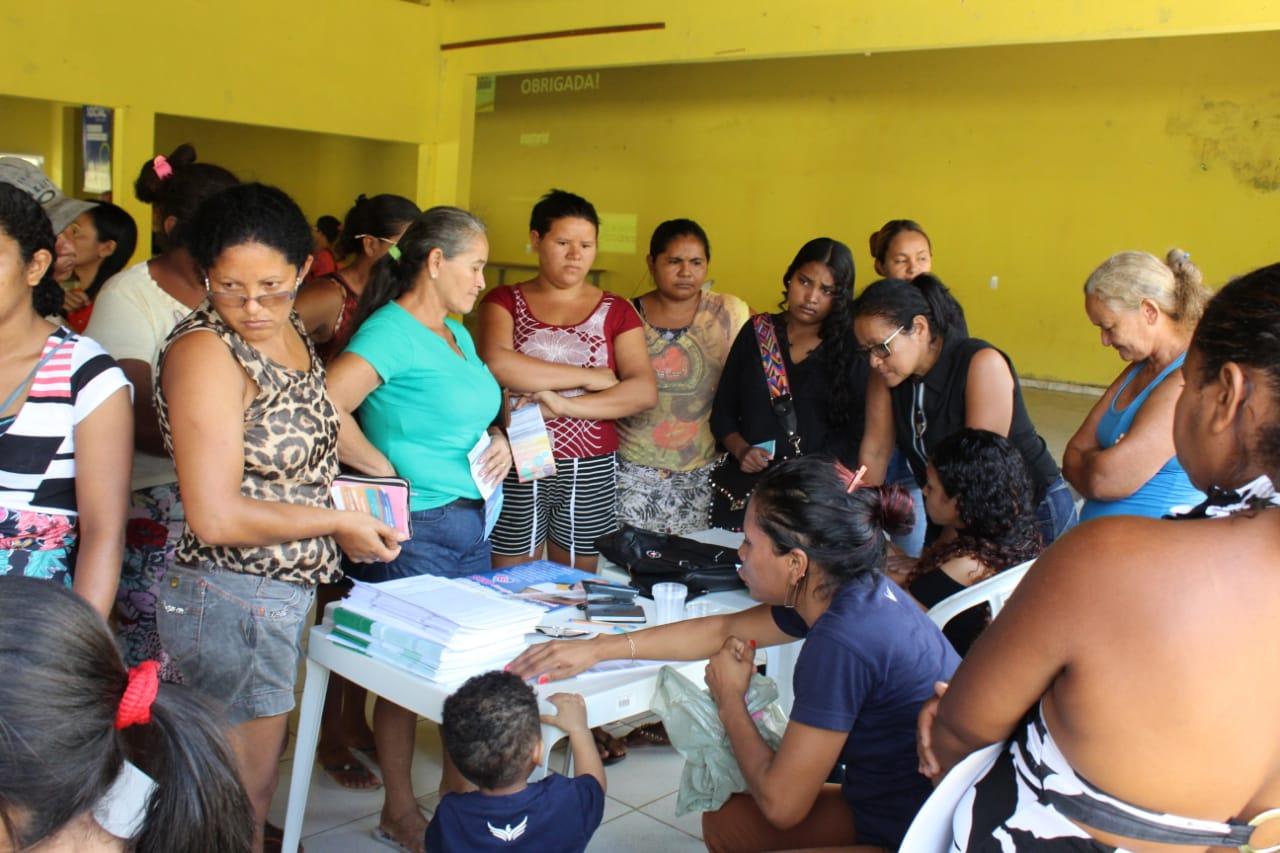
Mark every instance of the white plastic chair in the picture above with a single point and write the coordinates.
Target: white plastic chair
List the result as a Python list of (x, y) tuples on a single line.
[(994, 591), (931, 830)]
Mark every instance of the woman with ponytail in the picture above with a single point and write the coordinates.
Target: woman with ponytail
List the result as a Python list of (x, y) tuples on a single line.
[(425, 399), (929, 379), (77, 723), (328, 303), (1146, 309), (65, 425), (813, 555)]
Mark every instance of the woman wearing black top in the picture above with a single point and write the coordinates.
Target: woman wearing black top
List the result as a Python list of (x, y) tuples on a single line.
[(930, 379), (827, 384)]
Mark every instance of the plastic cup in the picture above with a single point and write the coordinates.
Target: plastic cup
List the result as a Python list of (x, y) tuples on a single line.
[(697, 609), (668, 600)]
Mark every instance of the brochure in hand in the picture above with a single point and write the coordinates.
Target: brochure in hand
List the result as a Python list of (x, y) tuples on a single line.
[(385, 498)]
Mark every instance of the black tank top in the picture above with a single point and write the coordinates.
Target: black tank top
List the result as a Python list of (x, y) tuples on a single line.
[(928, 409)]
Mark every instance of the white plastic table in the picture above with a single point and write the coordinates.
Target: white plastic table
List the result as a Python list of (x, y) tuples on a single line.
[(780, 661), (609, 697)]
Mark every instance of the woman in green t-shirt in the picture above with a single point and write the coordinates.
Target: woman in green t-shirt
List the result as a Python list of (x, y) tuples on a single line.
[(425, 399)]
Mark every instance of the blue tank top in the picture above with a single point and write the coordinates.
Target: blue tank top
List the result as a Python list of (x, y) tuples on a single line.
[(1168, 488)]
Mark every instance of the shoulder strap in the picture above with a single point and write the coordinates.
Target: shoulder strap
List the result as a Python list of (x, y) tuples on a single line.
[(775, 369), (44, 359), (775, 376)]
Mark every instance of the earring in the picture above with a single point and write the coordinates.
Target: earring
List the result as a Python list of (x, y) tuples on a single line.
[(793, 594)]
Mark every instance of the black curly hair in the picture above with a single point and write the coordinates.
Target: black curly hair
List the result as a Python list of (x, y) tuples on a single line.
[(25, 222), (490, 727), (249, 213), (988, 479), (839, 347), (805, 504)]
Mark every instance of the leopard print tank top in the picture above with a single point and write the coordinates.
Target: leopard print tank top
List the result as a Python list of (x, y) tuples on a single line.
[(290, 455)]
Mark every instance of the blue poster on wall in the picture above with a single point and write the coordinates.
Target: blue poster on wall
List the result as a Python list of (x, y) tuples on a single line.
[(97, 149)]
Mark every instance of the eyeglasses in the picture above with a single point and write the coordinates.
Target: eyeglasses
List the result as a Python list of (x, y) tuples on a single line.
[(881, 350), (376, 237), (239, 300)]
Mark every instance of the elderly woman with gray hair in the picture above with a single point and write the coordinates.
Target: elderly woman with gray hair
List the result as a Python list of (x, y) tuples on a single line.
[(424, 399), (1121, 459)]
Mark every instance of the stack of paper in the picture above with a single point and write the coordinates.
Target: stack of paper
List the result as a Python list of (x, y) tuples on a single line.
[(439, 628)]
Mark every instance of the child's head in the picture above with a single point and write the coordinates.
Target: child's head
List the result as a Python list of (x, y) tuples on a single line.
[(491, 729)]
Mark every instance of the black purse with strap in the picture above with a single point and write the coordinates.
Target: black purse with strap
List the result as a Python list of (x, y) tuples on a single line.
[(651, 558), (731, 486)]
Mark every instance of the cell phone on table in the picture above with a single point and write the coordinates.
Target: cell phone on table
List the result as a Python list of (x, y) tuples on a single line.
[(613, 611), (618, 591)]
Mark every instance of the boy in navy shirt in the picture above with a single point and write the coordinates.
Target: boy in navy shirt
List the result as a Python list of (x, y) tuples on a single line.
[(491, 731)]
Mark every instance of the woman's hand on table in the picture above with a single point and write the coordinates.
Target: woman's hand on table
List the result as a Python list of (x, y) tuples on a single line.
[(555, 660), (924, 734), (365, 539), (729, 671), (495, 462)]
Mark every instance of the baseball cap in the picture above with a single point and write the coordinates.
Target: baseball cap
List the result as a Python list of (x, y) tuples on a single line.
[(62, 211)]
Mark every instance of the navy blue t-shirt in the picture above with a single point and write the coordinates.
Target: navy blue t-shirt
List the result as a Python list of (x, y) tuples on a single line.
[(556, 814), (866, 667)]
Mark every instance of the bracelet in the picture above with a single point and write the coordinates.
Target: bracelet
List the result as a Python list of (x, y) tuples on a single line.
[(632, 644)]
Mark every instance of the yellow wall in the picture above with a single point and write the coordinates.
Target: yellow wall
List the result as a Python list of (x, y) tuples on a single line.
[(1027, 163), (324, 173), (27, 127)]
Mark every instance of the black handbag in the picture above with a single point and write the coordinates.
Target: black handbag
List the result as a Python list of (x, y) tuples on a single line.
[(731, 487), (651, 558)]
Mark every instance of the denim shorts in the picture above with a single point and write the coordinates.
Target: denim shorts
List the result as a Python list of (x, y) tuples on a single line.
[(447, 541), (234, 637), (1056, 514)]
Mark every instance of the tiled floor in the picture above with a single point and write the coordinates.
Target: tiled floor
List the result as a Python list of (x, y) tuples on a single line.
[(640, 813)]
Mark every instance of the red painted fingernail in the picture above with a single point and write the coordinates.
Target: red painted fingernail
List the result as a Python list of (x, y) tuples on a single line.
[(753, 644), (507, 668), (544, 679)]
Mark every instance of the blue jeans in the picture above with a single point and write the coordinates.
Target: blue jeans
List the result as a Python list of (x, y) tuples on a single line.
[(447, 541), (234, 637), (899, 474), (1056, 513)]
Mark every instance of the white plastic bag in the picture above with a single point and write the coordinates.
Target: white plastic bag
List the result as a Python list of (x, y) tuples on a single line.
[(711, 774)]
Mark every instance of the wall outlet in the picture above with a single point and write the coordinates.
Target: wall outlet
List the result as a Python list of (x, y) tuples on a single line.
[(995, 282)]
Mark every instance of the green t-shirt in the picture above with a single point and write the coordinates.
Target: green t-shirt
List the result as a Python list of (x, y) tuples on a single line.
[(431, 407)]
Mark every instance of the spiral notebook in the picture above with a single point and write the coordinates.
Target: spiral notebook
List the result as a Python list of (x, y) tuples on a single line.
[(385, 498)]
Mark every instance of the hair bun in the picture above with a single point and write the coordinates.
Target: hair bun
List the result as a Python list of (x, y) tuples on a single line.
[(183, 155), (1187, 273), (874, 241), (896, 511)]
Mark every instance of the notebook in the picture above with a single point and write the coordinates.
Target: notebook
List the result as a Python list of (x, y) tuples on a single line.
[(385, 498)]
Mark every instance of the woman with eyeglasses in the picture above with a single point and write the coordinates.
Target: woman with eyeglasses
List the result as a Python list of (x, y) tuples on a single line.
[(901, 249), (244, 411), (327, 304), (816, 352), (930, 379)]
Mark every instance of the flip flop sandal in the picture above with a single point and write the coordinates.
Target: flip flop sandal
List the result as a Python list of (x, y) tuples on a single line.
[(383, 837), (611, 745), (352, 768), (650, 734)]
